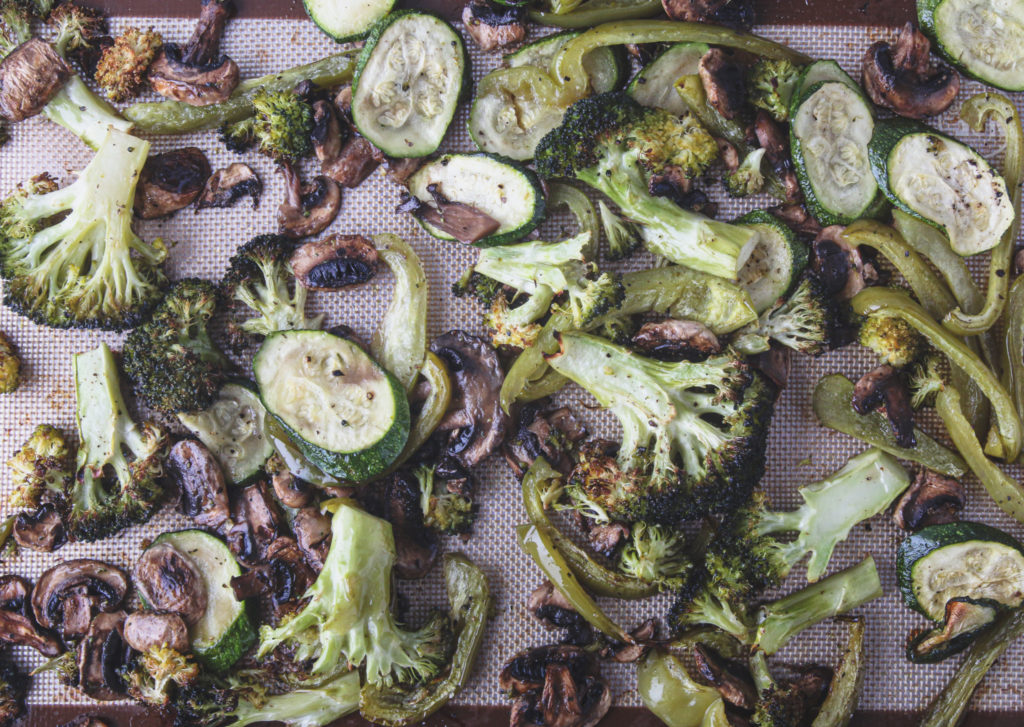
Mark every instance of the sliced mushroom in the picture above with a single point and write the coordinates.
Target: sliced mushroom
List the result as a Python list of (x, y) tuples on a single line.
[(464, 222), (291, 490), (198, 74), (774, 141), (335, 262), (200, 481), (476, 421), (548, 607), (629, 653), (227, 186), (312, 530), (169, 581), (62, 590), (734, 13), (736, 689), (840, 267), (30, 76), (676, 340), (78, 609), (540, 431), (280, 582), (607, 538), (397, 500), (262, 514), (42, 530), (15, 594), (356, 161), (307, 208), (885, 385), (869, 391), (102, 653), (492, 25), (328, 132), (525, 671), (400, 169), (796, 217), (931, 499), (724, 83), (902, 77), (143, 631), (16, 625), (559, 686), (775, 363), (171, 181)]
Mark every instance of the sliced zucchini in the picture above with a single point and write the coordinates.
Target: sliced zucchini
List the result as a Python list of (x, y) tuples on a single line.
[(829, 135), (984, 38), (959, 560), (503, 189), (775, 264), (965, 620), (407, 83), (655, 84), (942, 182), (233, 429), (821, 71), (346, 20), (347, 414), (605, 66), (512, 111), (225, 631)]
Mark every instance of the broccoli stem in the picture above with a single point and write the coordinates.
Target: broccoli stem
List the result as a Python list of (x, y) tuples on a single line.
[(303, 707), (844, 591), (175, 117), (84, 114)]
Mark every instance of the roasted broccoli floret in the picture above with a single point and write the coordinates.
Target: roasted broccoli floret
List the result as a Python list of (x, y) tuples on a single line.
[(15, 25), (747, 179), (480, 286), (446, 512), (655, 554), (617, 329), (173, 363), (260, 277), (347, 620), (771, 85), (41, 467), (518, 326), (69, 257), (280, 126), (121, 70), (152, 677), (693, 436), (76, 27), (13, 690), (805, 322), (892, 339), (622, 235), (120, 463), (10, 365), (616, 145), (926, 379)]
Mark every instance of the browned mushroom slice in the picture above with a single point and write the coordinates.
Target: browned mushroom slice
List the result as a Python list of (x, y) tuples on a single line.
[(931, 499), (775, 142), (869, 391), (724, 83), (775, 364), (17, 628), (540, 431), (100, 655), (291, 490), (197, 74), (902, 77), (42, 530), (840, 268), (30, 76), (227, 186), (328, 133), (548, 607), (796, 217), (629, 653), (475, 418), (607, 538), (734, 13), (312, 530), (736, 689), (558, 685), (55, 596), (399, 170), (171, 181), (524, 672), (492, 25), (356, 161), (335, 262), (143, 631), (307, 208), (464, 222), (169, 581), (15, 594), (262, 514), (676, 340), (200, 481), (885, 385), (292, 576)]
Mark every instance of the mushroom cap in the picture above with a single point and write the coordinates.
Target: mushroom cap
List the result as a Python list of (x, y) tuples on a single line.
[(101, 654), (143, 631), (196, 85), (307, 209), (228, 185), (903, 78), (931, 499), (335, 262), (676, 340), (168, 580), (200, 480), (30, 76), (171, 181), (42, 530), (108, 584)]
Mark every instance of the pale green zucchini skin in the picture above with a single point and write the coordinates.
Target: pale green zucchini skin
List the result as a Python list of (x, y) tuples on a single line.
[(347, 20)]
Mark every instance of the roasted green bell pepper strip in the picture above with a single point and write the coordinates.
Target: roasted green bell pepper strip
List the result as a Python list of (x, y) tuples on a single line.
[(976, 111), (595, 12), (831, 403), (674, 697), (847, 682), (1005, 491), (470, 600), (434, 407), (896, 303), (1014, 343), (538, 483), (400, 343), (537, 544), (175, 117), (948, 708)]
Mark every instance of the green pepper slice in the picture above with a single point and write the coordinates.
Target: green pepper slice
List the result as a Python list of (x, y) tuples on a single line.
[(1014, 343), (595, 12), (673, 696), (400, 343), (435, 373), (847, 682)]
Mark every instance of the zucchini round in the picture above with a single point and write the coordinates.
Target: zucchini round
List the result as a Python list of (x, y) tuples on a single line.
[(346, 414), (503, 189), (983, 39), (407, 83), (966, 619), (512, 111), (820, 72), (943, 182), (959, 560), (655, 84), (233, 430), (225, 631), (346, 20), (605, 66), (775, 264), (829, 135)]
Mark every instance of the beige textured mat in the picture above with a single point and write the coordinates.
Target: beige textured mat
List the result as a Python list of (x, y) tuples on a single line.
[(800, 451)]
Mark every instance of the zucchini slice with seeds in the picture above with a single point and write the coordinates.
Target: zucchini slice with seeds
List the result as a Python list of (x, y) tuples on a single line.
[(821, 71), (346, 20), (407, 83), (655, 84), (508, 192), (776, 263), (606, 66)]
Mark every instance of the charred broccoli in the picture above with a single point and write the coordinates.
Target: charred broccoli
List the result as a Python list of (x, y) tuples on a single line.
[(892, 339), (771, 85), (150, 677), (260, 276), (615, 145), (171, 360), (693, 437), (69, 257), (747, 179), (446, 512), (10, 366), (121, 70), (119, 463), (41, 467), (479, 286), (655, 554), (805, 322), (280, 126), (13, 690), (622, 235)]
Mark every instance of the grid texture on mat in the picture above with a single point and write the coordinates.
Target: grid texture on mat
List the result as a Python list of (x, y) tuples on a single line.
[(800, 451)]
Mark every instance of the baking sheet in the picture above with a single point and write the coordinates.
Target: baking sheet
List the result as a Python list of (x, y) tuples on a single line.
[(799, 451)]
